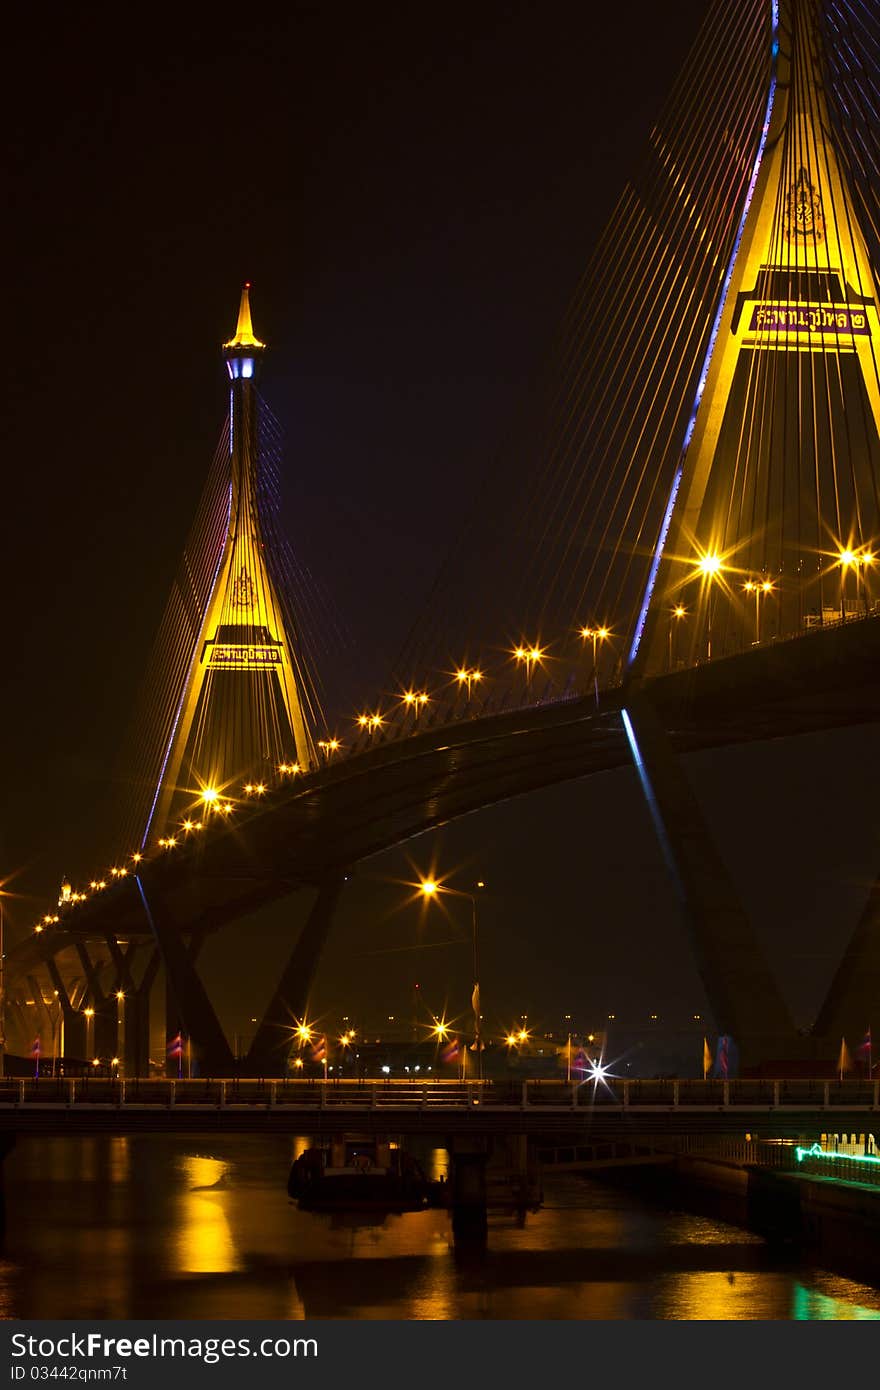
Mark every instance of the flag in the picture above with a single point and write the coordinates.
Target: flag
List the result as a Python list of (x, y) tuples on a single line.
[(722, 1057), (319, 1050), (864, 1047), (451, 1051), (844, 1060), (707, 1058), (175, 1046), (475, 1001), (35, 1053)]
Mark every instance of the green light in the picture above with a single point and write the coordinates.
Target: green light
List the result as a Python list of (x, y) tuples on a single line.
[(816, 1152)]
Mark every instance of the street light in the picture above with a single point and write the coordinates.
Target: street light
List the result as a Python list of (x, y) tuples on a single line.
[(120, 1029), (429, 888), (89, 1015), (858, 561), (529, 657), (595, 635), (760, 589), (847, 560), (675, 616), (415, 700), (709, 566), (468, 675)]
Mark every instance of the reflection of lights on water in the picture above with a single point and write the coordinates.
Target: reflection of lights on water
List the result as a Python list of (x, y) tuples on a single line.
[(204, 1241), (120, 1160), (721, 1297), (438, 1164), (812, 1305)]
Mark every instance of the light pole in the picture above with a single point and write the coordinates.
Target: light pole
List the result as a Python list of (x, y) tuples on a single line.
[(529, 657), (120, 1031), (709, 566), (90, 1014), (847, 560), (760, 590), (429, 887), (867, 559), (675, 617), (415, 700), (468, 676), (595, 635)]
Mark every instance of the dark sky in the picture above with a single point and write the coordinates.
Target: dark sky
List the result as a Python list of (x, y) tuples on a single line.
[(414, 193)]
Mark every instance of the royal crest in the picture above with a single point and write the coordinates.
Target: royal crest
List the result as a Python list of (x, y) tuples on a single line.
[(803, 210), (243, 590)]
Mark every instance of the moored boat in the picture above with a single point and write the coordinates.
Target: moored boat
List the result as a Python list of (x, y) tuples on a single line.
[(361, 1172)]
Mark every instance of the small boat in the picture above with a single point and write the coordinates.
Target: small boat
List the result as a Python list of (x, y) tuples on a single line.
[(362, 1173)]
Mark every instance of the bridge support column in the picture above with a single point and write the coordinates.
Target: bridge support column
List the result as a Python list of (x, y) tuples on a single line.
[(175, 1023), (271, 1044), (853, 1001), (134, 1043), (105, 1023), (210, 1050), (468, 1161), (742, 993), (74, 1021)]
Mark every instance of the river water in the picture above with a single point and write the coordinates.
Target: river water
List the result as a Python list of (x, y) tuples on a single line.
[(154, 1227)]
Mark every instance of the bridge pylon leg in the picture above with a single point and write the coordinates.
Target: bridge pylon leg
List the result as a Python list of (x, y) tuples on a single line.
[(744, 997), (269, 1050), (74, 1021), (205, 1036), (853, 999)]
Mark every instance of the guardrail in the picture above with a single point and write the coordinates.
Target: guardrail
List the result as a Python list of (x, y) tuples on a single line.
[(625, 1095), (864, 1168)]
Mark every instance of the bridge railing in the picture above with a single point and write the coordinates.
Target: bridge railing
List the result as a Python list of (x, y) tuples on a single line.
[(744, 1152), (823, 1161), (634, 1094)]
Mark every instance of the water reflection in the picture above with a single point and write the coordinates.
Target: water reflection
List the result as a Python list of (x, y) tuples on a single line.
[(203, 1239), (158, 1227)]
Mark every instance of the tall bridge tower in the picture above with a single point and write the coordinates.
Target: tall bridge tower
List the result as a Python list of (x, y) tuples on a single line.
[(775, 498), (779, 477), (244, 699)]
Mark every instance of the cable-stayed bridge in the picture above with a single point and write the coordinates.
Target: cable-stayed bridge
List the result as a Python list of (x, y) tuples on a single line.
[(678, 546)]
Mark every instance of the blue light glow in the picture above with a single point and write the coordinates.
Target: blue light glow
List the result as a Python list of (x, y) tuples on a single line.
[(650, 798), (240, 367), (676, 482)]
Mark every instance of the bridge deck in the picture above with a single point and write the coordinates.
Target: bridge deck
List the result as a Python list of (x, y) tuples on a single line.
[(775, 1108), (331, 819)]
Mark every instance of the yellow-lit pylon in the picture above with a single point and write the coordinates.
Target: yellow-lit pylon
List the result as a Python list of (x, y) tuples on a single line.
[(243, 629), (801, 283)]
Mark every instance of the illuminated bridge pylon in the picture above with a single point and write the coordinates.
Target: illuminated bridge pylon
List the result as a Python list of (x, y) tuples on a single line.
[(244, 699), (773, 519), (774, 514)]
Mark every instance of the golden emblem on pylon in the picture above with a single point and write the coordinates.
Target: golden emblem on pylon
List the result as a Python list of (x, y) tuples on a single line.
[(803, 212), (243, 590)]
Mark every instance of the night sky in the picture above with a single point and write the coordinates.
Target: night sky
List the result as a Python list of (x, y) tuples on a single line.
[(414, 193)]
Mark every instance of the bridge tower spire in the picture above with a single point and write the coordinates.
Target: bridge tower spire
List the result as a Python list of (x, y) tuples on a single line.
[(244, 657)]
